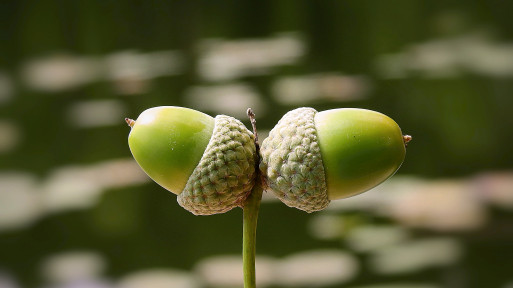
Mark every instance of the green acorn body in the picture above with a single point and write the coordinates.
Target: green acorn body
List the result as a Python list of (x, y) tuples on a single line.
[(208, 162), (313, 157)]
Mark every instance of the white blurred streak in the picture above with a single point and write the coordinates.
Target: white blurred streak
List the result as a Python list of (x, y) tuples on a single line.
[(79, 187), (19, 200), (61, 72), (483, 56), (363, 202), (23, 199), (413, 256), (131, 64), (370, 238), (119, 173), (226, 271), (72, 267), (90, 283), (7, 281), (96, 113), (437, 59), (444, 58), (399, 285), (9, 136), (392, 66), (222, 60), (131, 71), (316, 268), (6, 87), (326, 226), (70, 188), (439, 205), (159, 278), (310, 88), (373, 200), (495, 188), (231, 99)]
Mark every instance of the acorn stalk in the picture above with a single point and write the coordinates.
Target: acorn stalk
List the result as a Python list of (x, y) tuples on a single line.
[(250, 217)]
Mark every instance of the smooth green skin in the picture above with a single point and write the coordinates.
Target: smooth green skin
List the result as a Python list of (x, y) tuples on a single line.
[(360, 149), (168, 143)]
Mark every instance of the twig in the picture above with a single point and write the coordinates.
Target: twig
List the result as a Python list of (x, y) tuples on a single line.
[(250, 216)]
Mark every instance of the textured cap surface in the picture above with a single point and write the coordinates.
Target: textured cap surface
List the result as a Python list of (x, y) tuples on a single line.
[(225, 174), (292, 162)]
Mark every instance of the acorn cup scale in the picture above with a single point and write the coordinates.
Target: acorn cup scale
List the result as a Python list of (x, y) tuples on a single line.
[(311, 158), (208, 162)]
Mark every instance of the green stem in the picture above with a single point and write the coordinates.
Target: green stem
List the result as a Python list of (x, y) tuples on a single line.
[(251, 206)]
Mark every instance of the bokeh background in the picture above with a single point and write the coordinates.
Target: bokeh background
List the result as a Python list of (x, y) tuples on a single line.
[(76, 211)]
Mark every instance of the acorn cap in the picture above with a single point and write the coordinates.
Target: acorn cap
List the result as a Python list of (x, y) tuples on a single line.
[(225, 174), (292, 163)]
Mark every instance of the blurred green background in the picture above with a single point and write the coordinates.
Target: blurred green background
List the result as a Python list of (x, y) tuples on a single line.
[(76, 211)]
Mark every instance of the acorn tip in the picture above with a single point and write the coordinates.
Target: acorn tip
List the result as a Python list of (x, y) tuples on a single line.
[(130, 122), (406, 139)]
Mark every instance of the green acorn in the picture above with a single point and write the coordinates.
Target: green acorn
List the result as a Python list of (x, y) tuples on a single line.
[(313, 157), (208, 162)]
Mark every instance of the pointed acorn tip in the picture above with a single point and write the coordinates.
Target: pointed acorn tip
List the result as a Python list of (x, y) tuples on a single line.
[(130, 122), (406, 139)]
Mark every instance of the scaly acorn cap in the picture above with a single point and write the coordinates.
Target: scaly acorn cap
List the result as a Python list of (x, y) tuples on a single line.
[(292, 162), (311, 158), (225, 174), (208, 162)]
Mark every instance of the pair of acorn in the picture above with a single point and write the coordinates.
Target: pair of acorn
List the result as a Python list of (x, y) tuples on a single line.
[(308, 159)]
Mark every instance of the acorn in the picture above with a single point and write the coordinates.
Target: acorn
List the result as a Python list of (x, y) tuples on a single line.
[(208, 162), (311, 158)]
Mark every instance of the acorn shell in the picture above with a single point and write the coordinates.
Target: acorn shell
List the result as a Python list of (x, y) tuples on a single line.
[(168, 142)]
